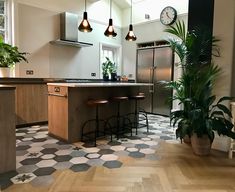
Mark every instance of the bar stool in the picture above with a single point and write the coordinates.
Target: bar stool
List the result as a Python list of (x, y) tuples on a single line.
[(137, 118), (119, 120), (96, 130)]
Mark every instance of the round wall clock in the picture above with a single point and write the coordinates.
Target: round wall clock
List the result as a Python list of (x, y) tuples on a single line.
[(168, 15)]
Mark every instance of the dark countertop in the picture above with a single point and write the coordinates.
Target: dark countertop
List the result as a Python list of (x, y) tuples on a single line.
[(6, 87), (21, 80)]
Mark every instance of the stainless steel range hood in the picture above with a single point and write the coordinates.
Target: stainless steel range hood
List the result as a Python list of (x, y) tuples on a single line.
[(69, 31)]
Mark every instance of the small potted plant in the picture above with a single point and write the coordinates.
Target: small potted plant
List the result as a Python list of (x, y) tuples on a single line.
[(9, 56), (113, 72), (106, 69)]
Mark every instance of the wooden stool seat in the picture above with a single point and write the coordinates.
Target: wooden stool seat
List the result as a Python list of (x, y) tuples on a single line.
[(137, 97), (97, 102), (119, 98)]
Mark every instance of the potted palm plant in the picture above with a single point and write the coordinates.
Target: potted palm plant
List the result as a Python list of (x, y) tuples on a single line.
[(9, 56), (109, 68), (200, 115)]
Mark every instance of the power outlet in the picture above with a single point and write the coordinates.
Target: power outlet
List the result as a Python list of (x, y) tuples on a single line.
[(93, 74), (29, 72)]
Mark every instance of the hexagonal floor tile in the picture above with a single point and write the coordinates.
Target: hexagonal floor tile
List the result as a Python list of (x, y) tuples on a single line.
[(151, 143), (78, 153), (62, 158), (21, 153), (109, 157), (20, 134), (49, 150), (35, 149), (137, 141), (142, 146), (80, 167), (121, 153), (136, 154), (93, 155), (22, 148), (40, 136), (118, 148), (33, 155), (95, 162), (27, 169), (64, 152), (147, 151), (46, 163), (63, 165), (105, 151), (78, 160), (23, 178), (48, 156), (132, 149), (52, 145), (44, 171), (31, 161), (114, 143), (112, 164), (91, 150)]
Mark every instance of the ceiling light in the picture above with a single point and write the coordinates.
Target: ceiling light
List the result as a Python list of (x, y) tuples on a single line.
[(109, 32), (130, 35), (85, 25)]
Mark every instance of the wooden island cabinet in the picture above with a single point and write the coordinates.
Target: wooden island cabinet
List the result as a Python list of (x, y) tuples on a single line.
[(68, 110)]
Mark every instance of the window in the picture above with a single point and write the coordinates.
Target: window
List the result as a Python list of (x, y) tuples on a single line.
[(3, 20), (113, 52)]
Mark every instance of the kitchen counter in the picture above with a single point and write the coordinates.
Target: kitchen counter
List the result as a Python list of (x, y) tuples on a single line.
[(6, 87), (108, 84), (68, 109)]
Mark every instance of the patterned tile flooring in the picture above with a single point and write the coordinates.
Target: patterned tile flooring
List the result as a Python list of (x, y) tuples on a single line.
[(38, 155)]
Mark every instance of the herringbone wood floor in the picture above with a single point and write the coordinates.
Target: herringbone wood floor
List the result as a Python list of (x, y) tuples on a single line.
[(179, 170)]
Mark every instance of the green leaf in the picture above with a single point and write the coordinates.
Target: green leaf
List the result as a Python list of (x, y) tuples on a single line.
[(225, 109), (224, 99)]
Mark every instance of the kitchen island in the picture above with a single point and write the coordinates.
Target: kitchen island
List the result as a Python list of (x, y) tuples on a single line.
[(68, 110)]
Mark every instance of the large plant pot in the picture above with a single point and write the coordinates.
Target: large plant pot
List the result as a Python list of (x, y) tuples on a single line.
[(5, 72), (105, 77), (201, 145), (187, 139)]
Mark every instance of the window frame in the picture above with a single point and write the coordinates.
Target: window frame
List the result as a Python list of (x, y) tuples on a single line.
[(117, 56)]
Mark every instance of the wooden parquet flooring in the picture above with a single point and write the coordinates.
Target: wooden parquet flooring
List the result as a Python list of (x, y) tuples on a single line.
[(178, 170)]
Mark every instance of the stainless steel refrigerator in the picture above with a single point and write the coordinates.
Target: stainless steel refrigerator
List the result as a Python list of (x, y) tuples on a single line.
[(154, 65)]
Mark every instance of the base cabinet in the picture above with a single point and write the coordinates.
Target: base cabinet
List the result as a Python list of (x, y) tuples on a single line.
[(7, 130)]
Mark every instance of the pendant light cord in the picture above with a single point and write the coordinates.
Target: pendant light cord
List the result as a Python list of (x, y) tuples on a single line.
[(131, 11), (85, 5), (110, 2)]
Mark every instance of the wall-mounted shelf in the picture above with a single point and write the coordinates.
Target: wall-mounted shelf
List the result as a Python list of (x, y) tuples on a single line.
[(71, 43)]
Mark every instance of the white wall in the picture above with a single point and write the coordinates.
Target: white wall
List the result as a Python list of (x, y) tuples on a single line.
[(36, 25), (145, 32), (153, 8), (224, 19)]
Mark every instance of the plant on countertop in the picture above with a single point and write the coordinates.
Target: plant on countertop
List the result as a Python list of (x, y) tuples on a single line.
[(201, 116), (108, 67), (10, 55)]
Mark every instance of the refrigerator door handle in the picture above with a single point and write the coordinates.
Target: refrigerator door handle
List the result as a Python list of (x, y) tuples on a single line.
[(151, 88)]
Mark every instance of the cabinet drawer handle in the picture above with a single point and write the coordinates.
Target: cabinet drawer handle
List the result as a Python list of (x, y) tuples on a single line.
[(57, 95), (57, 89)]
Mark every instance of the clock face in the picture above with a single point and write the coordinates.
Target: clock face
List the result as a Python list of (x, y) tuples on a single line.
[(168, 15)]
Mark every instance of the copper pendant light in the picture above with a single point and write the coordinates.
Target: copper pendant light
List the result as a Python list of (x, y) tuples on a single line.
[(109, 32), (130, 35), (85, 25)]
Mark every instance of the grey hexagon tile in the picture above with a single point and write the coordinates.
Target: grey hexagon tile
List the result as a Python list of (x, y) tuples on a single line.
[(80, 153), (151, 143), (33, 155), (105, 151), (31, 161), (104, 146), (113, 143), (136, 154), (61, 147), (24, 143), (121, 153), (50, 145), (49, 151), (35, 149), (5, 179), (42, 181), (112, 164), (44, 171), (62, 158), (21, 148), (80, 167), (46, 163), (165, 137), (142, 146), (63, 165), (21, 153), (109, 157), (23, 178), (78, 160), (27, 169), (128, 145), (48, 156), (95, 162)]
